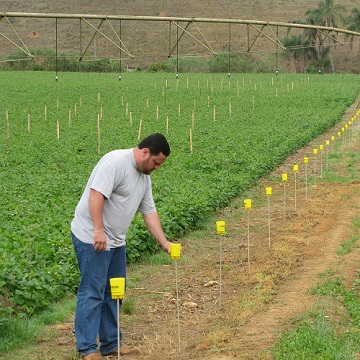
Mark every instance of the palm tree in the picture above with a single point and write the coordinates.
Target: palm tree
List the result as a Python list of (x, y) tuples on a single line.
[(353, 22), (325, 15)]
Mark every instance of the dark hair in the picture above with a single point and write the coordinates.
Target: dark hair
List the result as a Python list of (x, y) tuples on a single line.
[(156, 143)]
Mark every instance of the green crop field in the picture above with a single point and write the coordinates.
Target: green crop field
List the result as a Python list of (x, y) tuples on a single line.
[(225, 134)]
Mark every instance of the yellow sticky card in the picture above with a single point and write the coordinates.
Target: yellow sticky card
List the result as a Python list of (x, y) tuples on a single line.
[(220, 227), (268, 191), (117, 286), (315, 151), (306, 160), (175, 251), (327, 142), (284, 177), (296, 167), (321, 147), (247, 204)]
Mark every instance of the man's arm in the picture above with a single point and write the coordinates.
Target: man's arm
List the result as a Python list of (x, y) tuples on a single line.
[(152, 222), (96, 206)]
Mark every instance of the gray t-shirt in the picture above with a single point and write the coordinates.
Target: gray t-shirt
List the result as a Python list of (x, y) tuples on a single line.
[(125, 190)]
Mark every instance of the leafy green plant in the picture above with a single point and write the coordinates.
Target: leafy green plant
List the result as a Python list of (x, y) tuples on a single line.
[(46, 163)]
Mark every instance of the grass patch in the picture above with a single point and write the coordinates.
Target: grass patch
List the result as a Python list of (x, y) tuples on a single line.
[(320, 336), (317, 338), (16, 332), (348, 245)]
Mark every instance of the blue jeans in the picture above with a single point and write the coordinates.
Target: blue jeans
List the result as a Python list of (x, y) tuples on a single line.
[(96, 311)]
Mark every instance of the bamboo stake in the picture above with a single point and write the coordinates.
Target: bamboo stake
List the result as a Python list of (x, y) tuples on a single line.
[(45, 113), (191, 142), (179, 109), (167, 124), (28, 122), (139, 133), (130, 118), (98, 132), (214, 113), (7, 130), (57, 129), (75, 112), (69, 117)]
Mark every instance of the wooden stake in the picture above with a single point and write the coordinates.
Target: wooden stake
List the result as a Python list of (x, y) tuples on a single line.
[(75, 109), (214, 112), (140, 126), (45, 113), (167, 124), (57, 129), (99, 135), (28, 122), (69, 117), (191, 145), (130, 118), (7, 130)]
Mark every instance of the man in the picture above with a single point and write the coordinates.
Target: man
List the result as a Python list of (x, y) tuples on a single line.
[(118, 187)]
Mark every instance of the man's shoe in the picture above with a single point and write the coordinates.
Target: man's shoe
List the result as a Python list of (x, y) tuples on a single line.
[(93, 356), (125, 351)]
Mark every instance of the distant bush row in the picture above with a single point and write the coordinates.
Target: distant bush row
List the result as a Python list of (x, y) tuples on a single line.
[(46, 60)]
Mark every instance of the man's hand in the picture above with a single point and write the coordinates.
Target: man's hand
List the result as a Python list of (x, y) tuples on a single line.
[(99, 240)]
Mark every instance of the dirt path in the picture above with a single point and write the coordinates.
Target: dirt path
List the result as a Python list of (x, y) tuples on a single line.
[(258, 298)]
